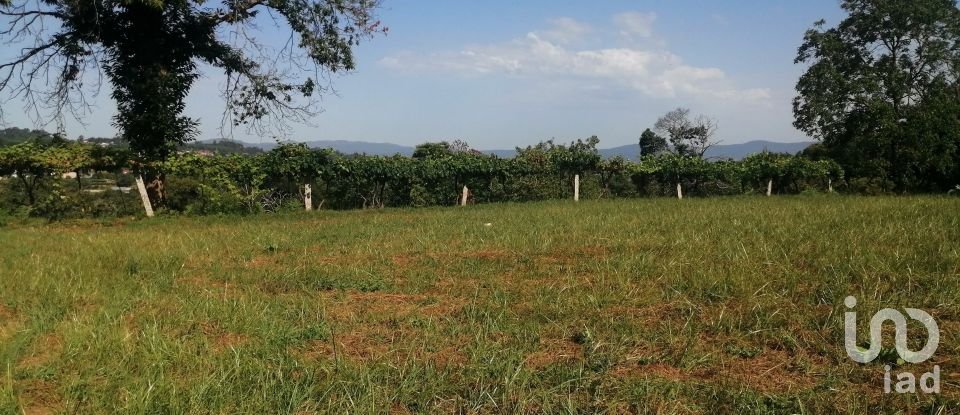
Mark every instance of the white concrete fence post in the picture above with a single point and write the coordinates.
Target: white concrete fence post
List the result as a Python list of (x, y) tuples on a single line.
[(769, 187), (463, 199), (679, 192), (830, 185), (307, 197), (576, 188), (142, 188)]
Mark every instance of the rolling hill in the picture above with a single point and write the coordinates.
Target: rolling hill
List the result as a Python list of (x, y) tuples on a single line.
[(632, 151)]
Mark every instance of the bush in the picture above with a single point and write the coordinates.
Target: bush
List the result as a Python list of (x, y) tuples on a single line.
[(126, 180), (63, 202), (270, 182), (869, 186), (190, 196), (181, 193)]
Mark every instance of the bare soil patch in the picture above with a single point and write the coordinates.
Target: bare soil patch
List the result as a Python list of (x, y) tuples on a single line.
[(44, 350)]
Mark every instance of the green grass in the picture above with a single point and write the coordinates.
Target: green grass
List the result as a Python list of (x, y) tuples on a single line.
[(729, 305)]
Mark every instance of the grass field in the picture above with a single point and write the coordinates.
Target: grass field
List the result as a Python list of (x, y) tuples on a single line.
[(727, 305)]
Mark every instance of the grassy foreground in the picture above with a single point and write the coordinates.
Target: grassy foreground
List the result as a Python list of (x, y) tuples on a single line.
[(730, 305)]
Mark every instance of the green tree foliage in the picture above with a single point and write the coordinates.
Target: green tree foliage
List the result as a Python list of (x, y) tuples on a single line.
[(151, 51), (785, 172), (70, 157), (26, 162), (652, 144), (432, 150), (9, 136), (221, 184), (222, 147), (204, 183), (882, 91)]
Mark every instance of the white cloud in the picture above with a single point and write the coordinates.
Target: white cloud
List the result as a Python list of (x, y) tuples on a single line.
[(655, 72), (635, 24), (566, 30)]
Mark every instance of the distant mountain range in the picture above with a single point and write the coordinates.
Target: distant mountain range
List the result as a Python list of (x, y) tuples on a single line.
[(11, 136), (351, 147), (632, 151)]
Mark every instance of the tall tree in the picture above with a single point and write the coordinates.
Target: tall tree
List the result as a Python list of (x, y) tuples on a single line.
[(151, 51), (652, 143), (26, 160), (432, 150), (688, 136), (882, 92)]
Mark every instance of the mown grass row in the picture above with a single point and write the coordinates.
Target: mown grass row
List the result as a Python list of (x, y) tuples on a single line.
[(652, 306)]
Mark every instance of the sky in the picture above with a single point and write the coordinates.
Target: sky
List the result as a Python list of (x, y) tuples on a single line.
[(500, 74)]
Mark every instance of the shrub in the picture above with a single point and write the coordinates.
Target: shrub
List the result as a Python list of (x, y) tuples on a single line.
[(65, 202)]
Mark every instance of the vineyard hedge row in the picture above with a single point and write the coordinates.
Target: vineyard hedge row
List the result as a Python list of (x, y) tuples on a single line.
[(212, 184)]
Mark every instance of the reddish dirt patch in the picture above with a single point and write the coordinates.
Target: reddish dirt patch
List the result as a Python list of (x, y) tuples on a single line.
[(365, 343), (595, 251), (403, 261), (383, 343), (228, 341), (373, 329), (6, 313), (489, 254), (656, 370), (8, 322), (772, 371), (356, 304), (222, 340), (450, 356), (263, 261), (38, 397), (553, 351), (44, 350)]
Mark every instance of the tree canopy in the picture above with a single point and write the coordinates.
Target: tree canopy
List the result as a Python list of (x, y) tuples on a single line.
[(652, 143), (882, 91), (151, 52), (689, 136)]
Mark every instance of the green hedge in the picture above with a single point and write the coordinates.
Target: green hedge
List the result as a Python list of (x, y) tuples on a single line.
[(212, 184)]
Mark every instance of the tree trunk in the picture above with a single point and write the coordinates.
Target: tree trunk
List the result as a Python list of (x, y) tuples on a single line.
[(769, 187), (679, 192), (28, 187), (156, 184), (79, 183)]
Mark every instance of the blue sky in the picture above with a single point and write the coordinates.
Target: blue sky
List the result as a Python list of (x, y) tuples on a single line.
[(500, 74)]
